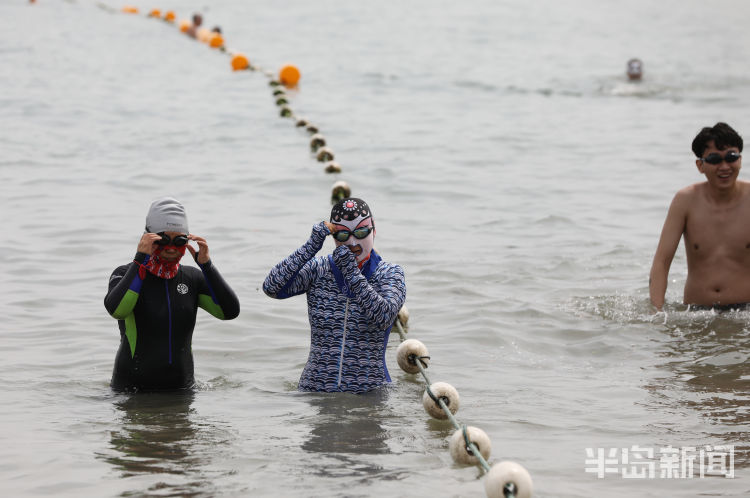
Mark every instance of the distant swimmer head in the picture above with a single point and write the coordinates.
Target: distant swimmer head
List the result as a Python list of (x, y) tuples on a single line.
[(197, 19), (635, 69), (166, 215), (354, 227), (216, 29)]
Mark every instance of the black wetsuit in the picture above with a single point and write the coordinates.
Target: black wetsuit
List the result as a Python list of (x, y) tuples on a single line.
[(156, 317)]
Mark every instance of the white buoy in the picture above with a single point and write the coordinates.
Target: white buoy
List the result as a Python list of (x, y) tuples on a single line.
[(340, 190), (459, 451), (302, 122), (333, 167), (508, 474), (450, 398), (312, 128), (408, 349), (317, 141), (403, 317), (285, 112), (325, 154)]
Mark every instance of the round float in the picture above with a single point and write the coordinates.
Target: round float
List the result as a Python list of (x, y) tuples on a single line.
[(460, 451), (505, 478), (333, 167), (409, 353), (403, 317), (289, 76), (444, 391), (317, 141), (325, 154), (340, 190), (216, 41), (239, 62)]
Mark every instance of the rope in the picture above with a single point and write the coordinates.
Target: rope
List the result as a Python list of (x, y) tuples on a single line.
[(470, 446)]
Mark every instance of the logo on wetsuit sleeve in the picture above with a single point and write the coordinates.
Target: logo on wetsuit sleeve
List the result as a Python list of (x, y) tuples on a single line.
[(182, 288)]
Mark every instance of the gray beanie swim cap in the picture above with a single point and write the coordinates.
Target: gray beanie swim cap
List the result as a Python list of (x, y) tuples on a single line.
[(166, 215)]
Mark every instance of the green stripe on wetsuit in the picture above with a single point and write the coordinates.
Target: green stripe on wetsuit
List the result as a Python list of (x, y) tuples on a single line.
[(124, 311), (208, 304)]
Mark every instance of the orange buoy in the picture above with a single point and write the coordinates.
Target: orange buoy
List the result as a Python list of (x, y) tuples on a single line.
[(185, 25), (154, 13), (240, 62), (169, 16), (216, 41), (289, 76), (129, 9)]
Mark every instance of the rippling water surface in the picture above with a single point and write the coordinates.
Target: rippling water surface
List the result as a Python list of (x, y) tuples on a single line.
[(515, 175)]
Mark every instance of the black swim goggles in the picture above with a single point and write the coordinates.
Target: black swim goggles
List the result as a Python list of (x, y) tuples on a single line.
[(178, 241), (360, 233), (716, 158)]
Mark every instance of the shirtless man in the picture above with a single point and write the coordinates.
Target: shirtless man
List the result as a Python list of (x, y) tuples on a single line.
[(714, 219)]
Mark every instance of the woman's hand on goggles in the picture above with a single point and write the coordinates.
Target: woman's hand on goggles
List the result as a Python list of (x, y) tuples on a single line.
[(201, 255), (147, 244)]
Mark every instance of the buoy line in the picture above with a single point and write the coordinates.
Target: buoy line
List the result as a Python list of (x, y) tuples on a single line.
[(288, 77), (468, 445)]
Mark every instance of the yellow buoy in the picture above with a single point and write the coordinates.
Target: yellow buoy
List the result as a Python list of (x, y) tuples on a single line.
[(129, 9), (240, 62), (185, 25), (216, 41), (169, 16), (203, 35), (154, 13), (289, 76)]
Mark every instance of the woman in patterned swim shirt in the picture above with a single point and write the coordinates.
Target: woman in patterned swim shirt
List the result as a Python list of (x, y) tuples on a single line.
[(353, 298)]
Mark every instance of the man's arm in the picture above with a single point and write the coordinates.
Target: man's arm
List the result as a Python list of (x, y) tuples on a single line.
[(674, 227)]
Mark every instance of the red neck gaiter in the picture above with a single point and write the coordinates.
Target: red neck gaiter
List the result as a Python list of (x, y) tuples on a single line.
[(159, 268)]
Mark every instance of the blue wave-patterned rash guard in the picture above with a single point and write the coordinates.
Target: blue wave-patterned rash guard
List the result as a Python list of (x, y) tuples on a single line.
[(351, 313)]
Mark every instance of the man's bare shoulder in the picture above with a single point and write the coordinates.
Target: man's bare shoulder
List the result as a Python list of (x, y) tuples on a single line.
[(687, 196), (744, 188), (698, 190), (691, 190)]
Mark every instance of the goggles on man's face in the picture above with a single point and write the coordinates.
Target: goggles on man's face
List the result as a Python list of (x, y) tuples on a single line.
[(716, 158)]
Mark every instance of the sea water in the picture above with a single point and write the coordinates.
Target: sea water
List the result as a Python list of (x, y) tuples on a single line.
[(514, 173)]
